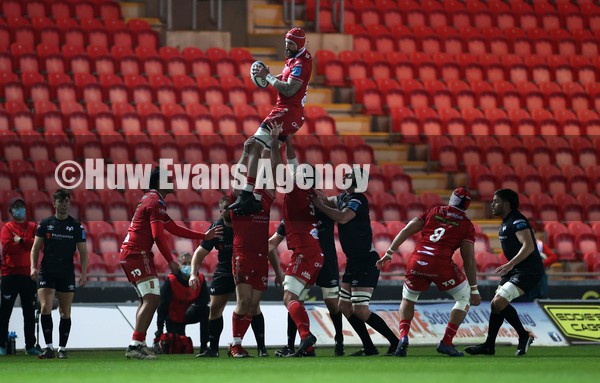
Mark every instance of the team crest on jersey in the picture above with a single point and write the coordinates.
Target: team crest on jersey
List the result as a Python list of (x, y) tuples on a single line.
[(50, 227), (69, 228)]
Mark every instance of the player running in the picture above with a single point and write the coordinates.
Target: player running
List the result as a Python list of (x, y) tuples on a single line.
[(443, 230), (292, 85)]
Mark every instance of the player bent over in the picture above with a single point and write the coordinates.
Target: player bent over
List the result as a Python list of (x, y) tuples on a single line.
[(147, 227), (250, 266), (443, 230)]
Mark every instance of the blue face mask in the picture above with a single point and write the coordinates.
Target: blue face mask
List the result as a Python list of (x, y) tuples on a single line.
[(18, 213), (186, 269)]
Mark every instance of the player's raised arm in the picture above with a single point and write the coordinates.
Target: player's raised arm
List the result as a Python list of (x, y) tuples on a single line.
[(340, 216), (184, 232), (287, 88)]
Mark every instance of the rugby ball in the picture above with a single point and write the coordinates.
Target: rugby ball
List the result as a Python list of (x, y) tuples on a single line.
[(259, 81)]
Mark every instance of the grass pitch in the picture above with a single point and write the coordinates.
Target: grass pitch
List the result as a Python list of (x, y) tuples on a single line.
[(542, 364)]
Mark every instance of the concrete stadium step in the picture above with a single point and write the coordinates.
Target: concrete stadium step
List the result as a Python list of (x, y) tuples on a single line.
[(354, 124), (132, 9), (318, 96), (431, 181), (390, 153)]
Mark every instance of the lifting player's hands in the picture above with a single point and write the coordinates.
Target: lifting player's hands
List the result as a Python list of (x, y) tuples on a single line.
[(383, 260), (260, 71), (504, 269), (194, 281), (216, 231), (276, 130)]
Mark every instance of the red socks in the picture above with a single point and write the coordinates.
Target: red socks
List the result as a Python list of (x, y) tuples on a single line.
[(449, 334), (139, 336), (404, 327), (300, 317), (240, 324)]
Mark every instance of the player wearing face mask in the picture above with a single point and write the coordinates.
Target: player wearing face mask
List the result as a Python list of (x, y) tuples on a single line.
[(181, 304)]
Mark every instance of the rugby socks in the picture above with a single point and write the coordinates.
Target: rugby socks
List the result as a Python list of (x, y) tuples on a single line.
[(510, 314), (362, 332), (204, 327), (47, 327), (495, 323), (250, 182), (300, 317), (239, 326), (337, 324), (215, 327), (381, 327), (258, 328), (64, 329), (291, 331), (404, 327), (451, 330)]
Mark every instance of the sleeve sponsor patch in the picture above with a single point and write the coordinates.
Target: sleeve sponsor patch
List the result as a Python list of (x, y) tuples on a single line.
[(354, 204), (296, 71), (521, 225)]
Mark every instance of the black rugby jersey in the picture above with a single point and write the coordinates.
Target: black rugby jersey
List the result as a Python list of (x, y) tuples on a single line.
[(60, 242), (511, 224), (224, 246), (356, 236)]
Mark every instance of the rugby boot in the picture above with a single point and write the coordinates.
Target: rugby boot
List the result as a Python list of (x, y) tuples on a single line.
[(307, 342), (392, 349), (237, 351), (285, 351), (47, 354), (137, 352), (35, 351), (339, 348), (209, 353), (245, 204), (524, 342), (402, 348), (365, 352), (481, 349), (448, 350), (262, 352), (62, 354)]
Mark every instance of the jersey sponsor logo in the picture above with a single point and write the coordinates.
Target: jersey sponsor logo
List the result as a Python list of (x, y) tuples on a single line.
[(314, 233), (444, 220), (521, 225), (297, 71)]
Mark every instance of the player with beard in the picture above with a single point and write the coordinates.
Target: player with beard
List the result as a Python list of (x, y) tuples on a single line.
[(291, 85)]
